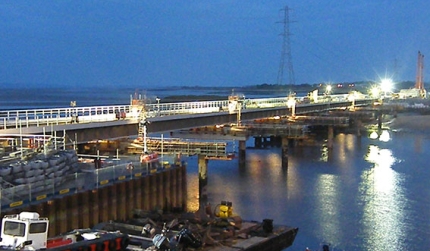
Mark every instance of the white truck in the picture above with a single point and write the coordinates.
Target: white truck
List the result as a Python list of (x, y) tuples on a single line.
[(29, 231)]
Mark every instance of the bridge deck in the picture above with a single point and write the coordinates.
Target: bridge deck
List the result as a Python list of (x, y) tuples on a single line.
[(186, 148)]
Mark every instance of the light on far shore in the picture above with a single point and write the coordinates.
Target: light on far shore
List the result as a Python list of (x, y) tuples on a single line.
[(386, 85), (328, 89), (375, 92)]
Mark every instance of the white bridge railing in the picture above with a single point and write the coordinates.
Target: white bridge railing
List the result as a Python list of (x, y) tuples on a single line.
[(67, 115)]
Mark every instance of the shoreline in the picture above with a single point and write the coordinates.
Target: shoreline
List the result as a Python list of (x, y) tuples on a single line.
[(410, 122)]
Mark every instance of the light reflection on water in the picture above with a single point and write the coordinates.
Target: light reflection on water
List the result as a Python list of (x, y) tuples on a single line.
[(368, 193), (364, 194), (328, 207), (383, 208)]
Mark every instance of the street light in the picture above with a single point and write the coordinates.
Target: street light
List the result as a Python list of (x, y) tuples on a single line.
[(291, 103), (144, 124), (386, 85), (375, 92), (74, 115), (327, 91), (158, 105)]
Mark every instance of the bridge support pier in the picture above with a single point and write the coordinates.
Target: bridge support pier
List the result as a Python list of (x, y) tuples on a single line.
[(203, 180), (242, 153), (379, 120), (284, 153), (330, 137), (257, 142), (359, 124)]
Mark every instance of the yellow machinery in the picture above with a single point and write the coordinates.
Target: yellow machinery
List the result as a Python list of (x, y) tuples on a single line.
[(224, 210)]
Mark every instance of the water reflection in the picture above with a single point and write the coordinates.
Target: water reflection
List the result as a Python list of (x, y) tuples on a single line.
[(328, 209), (346, 144), (385, 136), (383, 201), (192, 192), (365, 197), (382, 135)]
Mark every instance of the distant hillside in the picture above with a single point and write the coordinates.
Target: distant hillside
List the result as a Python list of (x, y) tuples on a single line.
[(218, 93)]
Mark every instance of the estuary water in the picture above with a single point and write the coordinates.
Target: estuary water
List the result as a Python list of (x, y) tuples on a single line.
[(367, 193)]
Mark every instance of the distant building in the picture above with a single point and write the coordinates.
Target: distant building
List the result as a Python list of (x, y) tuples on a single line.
[(410, 93)]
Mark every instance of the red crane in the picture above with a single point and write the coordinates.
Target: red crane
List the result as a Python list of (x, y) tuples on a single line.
[(419, 84)]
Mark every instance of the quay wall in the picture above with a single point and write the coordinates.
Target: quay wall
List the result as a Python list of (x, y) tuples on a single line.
[(165, 190)]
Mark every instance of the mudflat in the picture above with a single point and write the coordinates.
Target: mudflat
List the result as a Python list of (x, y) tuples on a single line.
[(410, 122)]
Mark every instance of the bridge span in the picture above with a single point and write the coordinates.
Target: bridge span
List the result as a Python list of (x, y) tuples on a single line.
[(104, 123)]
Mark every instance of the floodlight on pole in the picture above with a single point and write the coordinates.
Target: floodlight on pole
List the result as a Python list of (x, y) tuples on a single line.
[(291, 103), (328, 89), (158, 105), (386, 85)]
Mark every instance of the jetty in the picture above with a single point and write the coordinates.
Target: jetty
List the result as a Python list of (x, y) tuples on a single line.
[(205, 231)]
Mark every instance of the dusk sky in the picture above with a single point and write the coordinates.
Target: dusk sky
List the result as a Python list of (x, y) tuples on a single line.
[(208, 43)]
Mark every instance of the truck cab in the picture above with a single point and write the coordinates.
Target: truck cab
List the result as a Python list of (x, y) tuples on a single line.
[(24, 229)]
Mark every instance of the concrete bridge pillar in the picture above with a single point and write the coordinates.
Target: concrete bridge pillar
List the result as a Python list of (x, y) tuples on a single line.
[(359, 124), (203, 180), (257, 142), (284, 153), (264, 142), (330, 137), (242, 153), (380, 120)]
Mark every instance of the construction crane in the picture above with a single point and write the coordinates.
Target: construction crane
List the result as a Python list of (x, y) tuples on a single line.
[(419, 84)]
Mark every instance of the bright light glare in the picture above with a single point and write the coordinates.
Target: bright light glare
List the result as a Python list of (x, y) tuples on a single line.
[(385, 136), (291, 102), (328, 88), (374, 92), (373, 135), (386, 84), (351, 97)]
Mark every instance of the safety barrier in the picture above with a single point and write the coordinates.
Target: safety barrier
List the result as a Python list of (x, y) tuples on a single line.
[(22, 195), (68, 115)]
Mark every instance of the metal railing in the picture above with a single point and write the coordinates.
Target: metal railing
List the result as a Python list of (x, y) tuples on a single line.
[(91, 178), (67, 115)]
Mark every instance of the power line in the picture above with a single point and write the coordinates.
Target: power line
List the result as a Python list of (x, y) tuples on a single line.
[(286, 51)]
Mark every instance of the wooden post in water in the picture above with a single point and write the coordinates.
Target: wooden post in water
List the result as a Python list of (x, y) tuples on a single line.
[(379, 120), (242, 153), (330, 137), (359, 124), (257, 142), (284, 154)]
